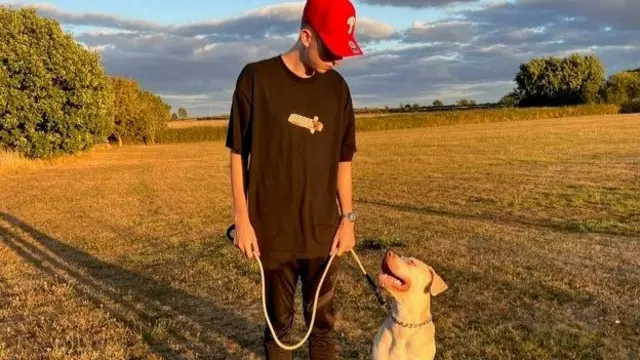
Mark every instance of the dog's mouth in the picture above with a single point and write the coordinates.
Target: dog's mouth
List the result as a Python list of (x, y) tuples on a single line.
[(389, 278)]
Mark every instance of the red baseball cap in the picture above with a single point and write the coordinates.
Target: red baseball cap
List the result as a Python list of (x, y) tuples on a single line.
[(335, 22)]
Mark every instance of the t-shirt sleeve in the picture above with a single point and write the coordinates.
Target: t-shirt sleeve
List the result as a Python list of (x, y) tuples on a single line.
[(238, 131), (348, 144)]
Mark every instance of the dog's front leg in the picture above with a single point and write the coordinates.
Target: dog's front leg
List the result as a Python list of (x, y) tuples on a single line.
[(382, 344), (398, 350)]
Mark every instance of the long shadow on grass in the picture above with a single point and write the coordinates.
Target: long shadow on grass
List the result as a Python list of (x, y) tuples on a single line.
[(565, 226), (163, 315)]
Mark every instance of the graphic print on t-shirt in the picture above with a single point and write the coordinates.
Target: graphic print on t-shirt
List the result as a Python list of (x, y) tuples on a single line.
[(312, 124)]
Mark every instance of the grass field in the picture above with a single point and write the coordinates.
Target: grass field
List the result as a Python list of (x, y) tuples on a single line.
[(534, 225)]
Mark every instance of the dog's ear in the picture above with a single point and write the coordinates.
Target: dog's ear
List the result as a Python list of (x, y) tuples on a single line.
[(437, 285)]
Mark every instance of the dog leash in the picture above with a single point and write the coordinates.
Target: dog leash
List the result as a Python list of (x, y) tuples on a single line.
[(370, 281)]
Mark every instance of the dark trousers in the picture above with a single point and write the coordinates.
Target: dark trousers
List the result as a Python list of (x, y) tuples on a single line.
[(280, 285)]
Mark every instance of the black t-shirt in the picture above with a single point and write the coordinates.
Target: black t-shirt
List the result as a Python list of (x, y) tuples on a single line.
[(292, 133)]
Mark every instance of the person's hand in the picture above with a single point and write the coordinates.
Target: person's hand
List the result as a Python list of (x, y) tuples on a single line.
[(245, 239), (344, 239)]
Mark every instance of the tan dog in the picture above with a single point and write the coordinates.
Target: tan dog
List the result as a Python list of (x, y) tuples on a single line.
[(409, 332)]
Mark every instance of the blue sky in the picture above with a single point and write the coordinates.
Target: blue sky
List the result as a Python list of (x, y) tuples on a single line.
[(416, 51), (198, 10)]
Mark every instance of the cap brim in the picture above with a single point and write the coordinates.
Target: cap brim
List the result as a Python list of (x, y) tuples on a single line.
[(343, 46)]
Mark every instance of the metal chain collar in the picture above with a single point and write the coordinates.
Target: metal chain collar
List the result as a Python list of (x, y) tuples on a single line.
[(429, 319), (387, 306)]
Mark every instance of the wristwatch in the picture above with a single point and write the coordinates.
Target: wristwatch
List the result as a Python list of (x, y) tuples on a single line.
[(350, 216)]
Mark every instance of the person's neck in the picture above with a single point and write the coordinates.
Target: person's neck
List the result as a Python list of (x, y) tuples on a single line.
[(294, 60)]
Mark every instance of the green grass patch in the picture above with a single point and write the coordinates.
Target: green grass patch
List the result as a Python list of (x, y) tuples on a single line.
[(379, 243)]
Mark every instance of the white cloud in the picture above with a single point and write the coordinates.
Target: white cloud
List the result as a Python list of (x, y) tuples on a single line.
[(417, 4), (188, 98), (94, 19), (472, 53), (369, 29), (441, 31)]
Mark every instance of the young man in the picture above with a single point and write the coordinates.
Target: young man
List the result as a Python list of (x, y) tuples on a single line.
[(292, 139)]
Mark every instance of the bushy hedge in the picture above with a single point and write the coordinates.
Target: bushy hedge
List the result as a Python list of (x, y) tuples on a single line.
[(631, 107), (54, 95), (481, 116)]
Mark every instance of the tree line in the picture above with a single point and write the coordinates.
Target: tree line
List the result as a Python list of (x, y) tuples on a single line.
[(55, 97), (575, 79)]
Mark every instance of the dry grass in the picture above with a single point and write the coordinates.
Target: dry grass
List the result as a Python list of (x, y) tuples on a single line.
[(534, 225), (14, 162)]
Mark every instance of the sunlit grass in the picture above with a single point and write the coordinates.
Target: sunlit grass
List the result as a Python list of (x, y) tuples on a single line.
[(534, 225)]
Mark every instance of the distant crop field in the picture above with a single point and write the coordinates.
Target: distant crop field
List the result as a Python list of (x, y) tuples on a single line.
[(181, 124), (197, 131), (534, 225)]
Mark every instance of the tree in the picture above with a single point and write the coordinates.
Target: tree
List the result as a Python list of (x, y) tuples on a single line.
[(155, 113), (182, 112), (510, 100), (138, 113), (126, 110), (174, 116), (466, 102), (437, 103), (623, 87), (54, 95), (552, 81)]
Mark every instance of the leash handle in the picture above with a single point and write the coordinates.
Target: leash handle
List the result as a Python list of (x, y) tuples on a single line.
[(372, 284), (230, 231)]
